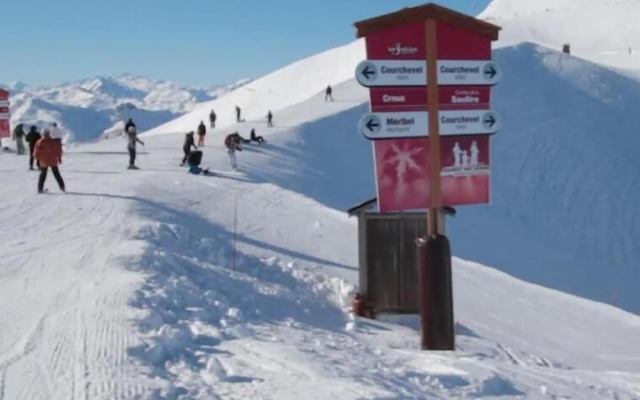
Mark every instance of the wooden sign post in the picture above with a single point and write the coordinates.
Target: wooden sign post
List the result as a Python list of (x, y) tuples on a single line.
[(446, 54)]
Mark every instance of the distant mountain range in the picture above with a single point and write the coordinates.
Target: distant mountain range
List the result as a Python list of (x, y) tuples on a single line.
[(91, 108)]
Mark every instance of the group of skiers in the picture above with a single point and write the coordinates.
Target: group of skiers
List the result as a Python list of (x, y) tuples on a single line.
[(45, 149), (193, 155)]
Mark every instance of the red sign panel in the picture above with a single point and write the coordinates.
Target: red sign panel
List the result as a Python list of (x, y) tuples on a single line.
[(459, 44), (5, 129), (390, 99), (406, 42), (402, 172)]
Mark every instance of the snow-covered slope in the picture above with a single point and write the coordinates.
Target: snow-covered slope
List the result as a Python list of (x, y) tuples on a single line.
[(603, 31), (283, 88), (157, 284), (89, 107), (560, 186)]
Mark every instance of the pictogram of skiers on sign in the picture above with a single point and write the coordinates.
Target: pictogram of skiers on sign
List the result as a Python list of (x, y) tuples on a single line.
[(402, 171), (466, 160)]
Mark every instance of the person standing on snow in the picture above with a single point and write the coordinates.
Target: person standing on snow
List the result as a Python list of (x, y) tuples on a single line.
[(212, 119), (269, 118), (202, 130), (238, 112), (328, 93), (128, 125), (32, 138), (189, 142), (232, 144), (132, 139), (18, 134), (56, 134), (48, 154)]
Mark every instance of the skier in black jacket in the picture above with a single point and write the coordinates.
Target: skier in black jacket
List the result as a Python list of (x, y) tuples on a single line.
[(128, 125), (202, 130), (189, 142), (32, 138)]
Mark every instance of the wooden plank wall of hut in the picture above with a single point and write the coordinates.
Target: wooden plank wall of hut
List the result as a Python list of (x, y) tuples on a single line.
[(391, 274)]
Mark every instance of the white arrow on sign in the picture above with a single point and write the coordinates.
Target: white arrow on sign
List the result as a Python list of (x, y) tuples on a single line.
[(468, 72), (4, 103), (468, 122), (392, 73), (5, 116), (394, 125)]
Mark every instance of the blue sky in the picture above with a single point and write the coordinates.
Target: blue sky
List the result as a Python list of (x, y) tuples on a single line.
[(198, 42)]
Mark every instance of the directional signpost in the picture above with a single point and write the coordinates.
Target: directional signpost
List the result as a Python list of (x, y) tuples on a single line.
[(460, 72), (5, 130), (412, 124), (429, 73), (392, 73)]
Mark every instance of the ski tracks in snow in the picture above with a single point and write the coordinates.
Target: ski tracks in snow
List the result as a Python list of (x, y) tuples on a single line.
[(57, 272)]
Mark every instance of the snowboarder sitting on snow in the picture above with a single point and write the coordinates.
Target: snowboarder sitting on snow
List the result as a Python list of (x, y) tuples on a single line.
[(189, 142), (132, 139), (32, 138), (202, 130), (255, 138), (193, 160)]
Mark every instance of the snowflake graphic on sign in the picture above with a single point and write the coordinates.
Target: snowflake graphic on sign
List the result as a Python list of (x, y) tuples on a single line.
[(402, 173)]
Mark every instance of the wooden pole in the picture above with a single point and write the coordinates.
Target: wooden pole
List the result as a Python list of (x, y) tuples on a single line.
[(435, 164), (434, 257)]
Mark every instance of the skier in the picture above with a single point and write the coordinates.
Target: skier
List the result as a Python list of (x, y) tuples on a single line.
[(132, 138), (232, 144), (255, 138), (269, 118), (56, 134), (328, 93), (212, 119), (32, 138), (48, 153), (238, 111), (240, 139), (18, 134), (128, 125), (202, 130), (189, 142)]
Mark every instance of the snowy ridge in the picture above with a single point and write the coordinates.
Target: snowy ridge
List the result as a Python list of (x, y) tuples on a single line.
[(283, 88), (95, 108), (602, 31)]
